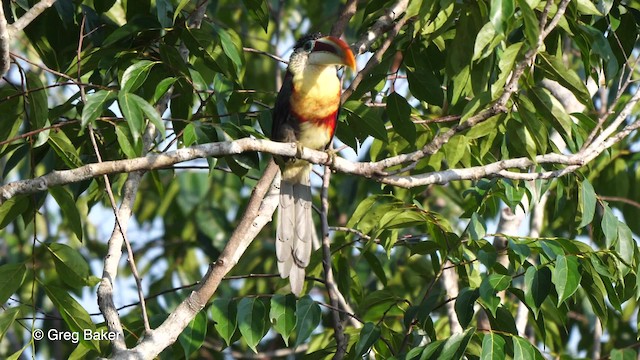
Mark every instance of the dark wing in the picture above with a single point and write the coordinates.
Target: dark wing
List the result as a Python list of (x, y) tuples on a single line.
[(285, 126)]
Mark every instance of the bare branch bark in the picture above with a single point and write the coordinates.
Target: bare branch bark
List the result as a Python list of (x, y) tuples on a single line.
[(30, 15), (330, 282), (382, 25), (450, 282), (346, 14), (372, 170), (377, 57), (118, 236), (5, 37), (7, 32), (258, 213)]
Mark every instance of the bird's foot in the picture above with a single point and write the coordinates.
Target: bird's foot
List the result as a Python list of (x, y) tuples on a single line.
[(331, 157), (299, 149)]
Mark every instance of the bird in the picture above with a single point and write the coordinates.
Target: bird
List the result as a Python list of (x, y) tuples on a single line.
[(305, 112)]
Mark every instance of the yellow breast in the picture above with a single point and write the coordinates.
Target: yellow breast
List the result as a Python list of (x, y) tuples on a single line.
[(316, 92)]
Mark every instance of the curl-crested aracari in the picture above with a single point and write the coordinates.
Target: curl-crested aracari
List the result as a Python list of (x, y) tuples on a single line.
[(306, 112)]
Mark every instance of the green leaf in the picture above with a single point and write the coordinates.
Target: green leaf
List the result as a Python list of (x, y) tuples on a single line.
[(506, 63), (367, 215), (11, 209), (38, 102), (376, 266), (609, 226), (490, 286), (369, 334), (531, 24), (17, 355), (623, 354), (8, 317), (586, 203), (501, 12), (96, 102), (465, 306), (625, 246), (189, 135), (69, 209), (537, 287), (135, 75), (151, 113), (522, 349), (566, 276), (587, 7), (595, 290), (486, 41), (181, 5), (80, 352), (252, 321), (123, 134), (193, 336), (224, 315), (230, 45), (477, 228), (70, 266), (308, 316), (425, 86), (162, 88), (259, 11), (492, 347), (11, 278), (65, 149), (456, 345), (368, 119), (399, 112), (283, 315), (132, 114), (568, 78), (74, 315), (455, 149), (548, 106)]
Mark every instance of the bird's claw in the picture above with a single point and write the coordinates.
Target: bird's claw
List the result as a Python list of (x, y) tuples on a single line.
[(331, 157), (299, 149)]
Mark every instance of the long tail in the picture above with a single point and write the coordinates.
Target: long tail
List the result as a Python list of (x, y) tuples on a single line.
[(295, 231)]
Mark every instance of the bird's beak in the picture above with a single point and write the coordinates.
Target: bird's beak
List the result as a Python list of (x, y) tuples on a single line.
[(330, 50)]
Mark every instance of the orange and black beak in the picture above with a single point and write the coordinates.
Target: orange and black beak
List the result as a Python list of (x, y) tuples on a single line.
[(330, 50)]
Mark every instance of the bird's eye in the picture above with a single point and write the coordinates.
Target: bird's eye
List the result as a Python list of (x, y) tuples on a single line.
[(308, 46)]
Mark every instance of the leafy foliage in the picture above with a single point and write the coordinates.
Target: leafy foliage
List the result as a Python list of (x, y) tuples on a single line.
[(113, 69)]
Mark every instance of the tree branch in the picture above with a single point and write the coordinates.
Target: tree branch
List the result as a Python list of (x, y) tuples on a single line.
[(382, 25), (367, 169), (8, 31), (5, 37), (258, 213), (330, 282), (377, 57), (30, 15), (346, 14)]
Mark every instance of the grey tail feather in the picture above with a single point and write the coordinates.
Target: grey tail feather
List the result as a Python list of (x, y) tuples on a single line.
[(295, 232)]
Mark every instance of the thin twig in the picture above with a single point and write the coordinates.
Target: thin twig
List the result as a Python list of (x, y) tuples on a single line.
[(328, 269), (256, 51), (346, 14), (621, 199), (29, 134)]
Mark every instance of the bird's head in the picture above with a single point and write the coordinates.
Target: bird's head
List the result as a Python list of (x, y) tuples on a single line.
[(316, 49)]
